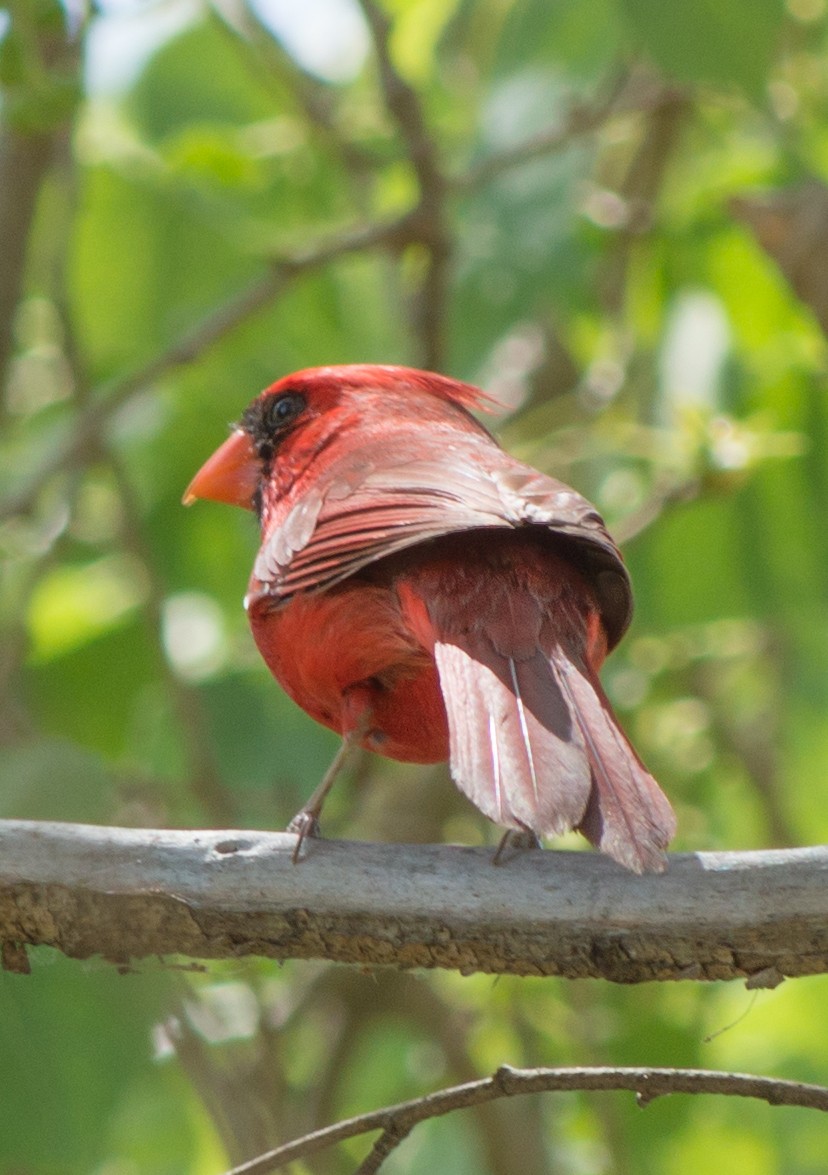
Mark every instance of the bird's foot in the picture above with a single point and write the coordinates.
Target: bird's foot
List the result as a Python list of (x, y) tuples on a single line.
[(518, 839), (305, 823)]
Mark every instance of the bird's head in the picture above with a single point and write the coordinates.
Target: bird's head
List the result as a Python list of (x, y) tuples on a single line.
[(314, 404)]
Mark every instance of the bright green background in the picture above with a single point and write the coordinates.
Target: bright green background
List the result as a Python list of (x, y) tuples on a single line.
[(660, 361)]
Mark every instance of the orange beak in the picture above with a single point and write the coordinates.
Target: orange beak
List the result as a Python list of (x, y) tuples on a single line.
[(231, 475)]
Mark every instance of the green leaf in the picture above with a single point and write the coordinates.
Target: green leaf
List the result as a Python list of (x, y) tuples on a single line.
[(709, 41)]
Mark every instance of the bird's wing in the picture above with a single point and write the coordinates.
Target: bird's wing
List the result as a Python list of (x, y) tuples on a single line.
[(386, 497)]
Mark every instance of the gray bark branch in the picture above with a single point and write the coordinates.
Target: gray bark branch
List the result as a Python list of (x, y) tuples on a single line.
[(130, 893)]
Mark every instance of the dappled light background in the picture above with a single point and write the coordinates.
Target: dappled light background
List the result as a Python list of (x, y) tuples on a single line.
[(611, 215)]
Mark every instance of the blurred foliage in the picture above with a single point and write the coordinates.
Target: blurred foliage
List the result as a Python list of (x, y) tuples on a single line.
[(642, 286)]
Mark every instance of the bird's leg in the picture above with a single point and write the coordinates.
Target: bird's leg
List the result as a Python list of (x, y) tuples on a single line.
[(306, 821), (516, 838)]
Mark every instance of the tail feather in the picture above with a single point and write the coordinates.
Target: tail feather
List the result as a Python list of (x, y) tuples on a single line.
[(628, 815), (535, 745), (515, 750)]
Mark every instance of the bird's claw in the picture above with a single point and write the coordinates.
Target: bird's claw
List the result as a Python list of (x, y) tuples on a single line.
[(305, 823), (518, 839)]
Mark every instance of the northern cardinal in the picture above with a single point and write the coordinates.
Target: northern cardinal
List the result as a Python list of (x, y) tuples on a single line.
[(428, 596)]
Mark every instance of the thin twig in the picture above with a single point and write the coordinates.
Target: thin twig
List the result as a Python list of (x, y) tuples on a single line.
[(622, 96), (397, 1121), (193, 343), (26, 156), (276, 67), (387, 1142), (667, 493), (432, 1019), (403, 102), (405, 108), (24, 163), (581, 119), (639, 191)]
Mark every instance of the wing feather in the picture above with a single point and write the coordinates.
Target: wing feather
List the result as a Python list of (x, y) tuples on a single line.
[(385, 497)]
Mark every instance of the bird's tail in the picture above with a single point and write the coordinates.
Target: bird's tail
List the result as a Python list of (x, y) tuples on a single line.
[(536, 746), (627, 815)]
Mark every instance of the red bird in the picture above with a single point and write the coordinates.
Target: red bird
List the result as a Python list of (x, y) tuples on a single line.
[(430, 597)]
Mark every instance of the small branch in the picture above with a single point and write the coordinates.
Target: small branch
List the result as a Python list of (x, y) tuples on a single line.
[(666, 493), (387, 1142), (276, 67), (629, 95), (24, 162), (132, 893), (640, 189), (402, 101), (28, 145), (89, 424), (397, 1121), (405, 108), (581, 119)]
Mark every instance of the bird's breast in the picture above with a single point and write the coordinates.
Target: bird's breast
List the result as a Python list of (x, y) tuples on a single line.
[(339, 651)]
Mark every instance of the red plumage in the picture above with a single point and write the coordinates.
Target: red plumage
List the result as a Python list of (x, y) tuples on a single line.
[(422, 590)]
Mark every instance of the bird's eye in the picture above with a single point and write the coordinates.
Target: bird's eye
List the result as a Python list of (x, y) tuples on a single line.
[(268, 420), (283, 409)]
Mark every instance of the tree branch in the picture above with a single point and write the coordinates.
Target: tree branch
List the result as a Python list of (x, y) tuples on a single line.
[(89, 423), (129, 893), (397, 1121)]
